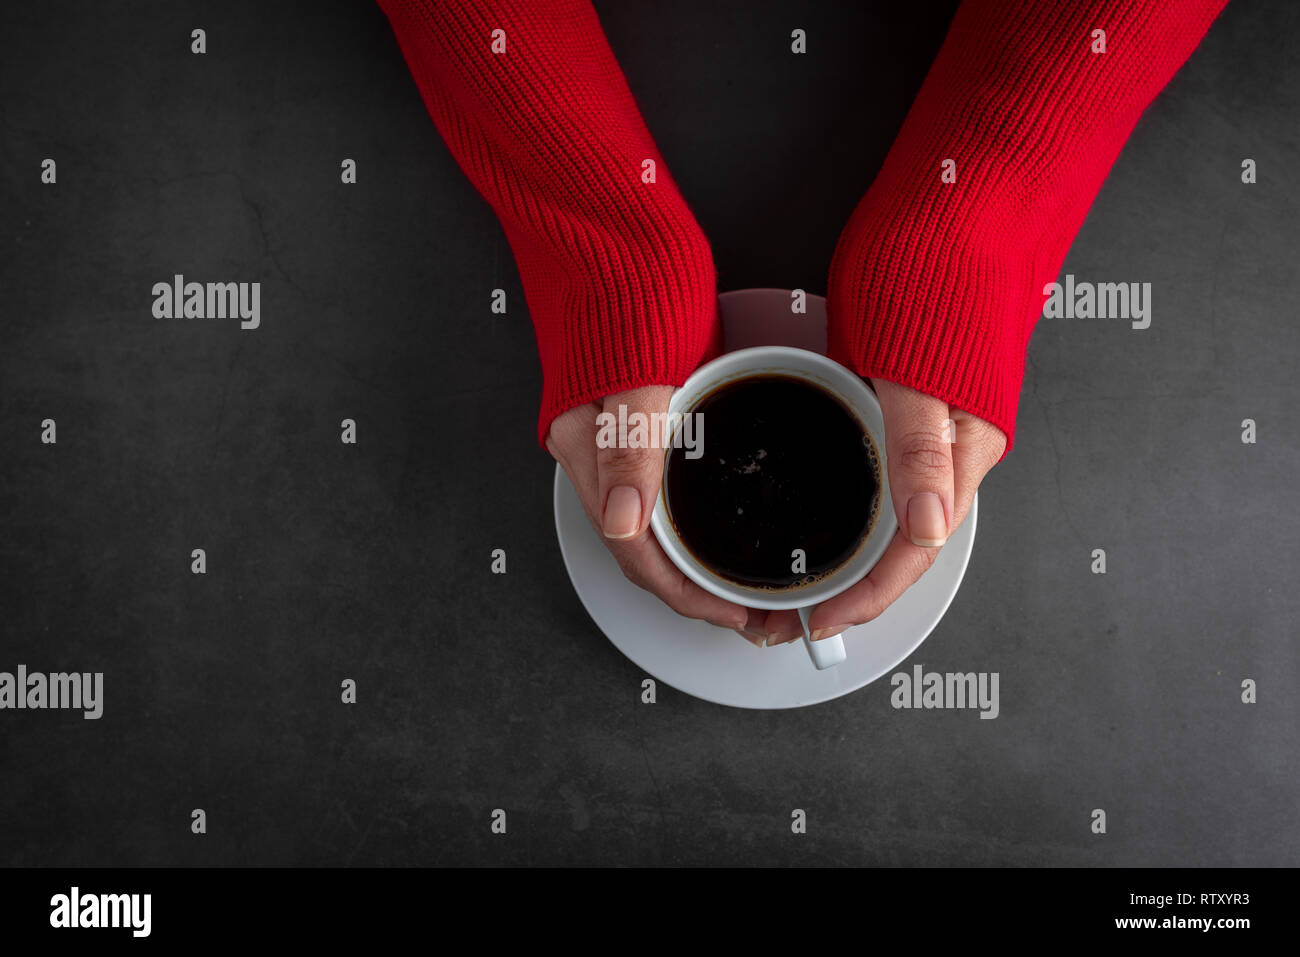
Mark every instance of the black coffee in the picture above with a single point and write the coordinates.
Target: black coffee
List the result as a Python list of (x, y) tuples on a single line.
[(785, 466)]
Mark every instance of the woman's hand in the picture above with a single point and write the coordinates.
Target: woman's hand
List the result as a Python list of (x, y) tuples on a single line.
[(935, 467), (937, 456), (618, 488)]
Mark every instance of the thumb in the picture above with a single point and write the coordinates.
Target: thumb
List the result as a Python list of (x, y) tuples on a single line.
[(919, 449), (630, 459)]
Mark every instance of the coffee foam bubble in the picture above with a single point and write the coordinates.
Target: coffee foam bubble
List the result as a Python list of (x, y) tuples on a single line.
[(876, 506), (811, 579)]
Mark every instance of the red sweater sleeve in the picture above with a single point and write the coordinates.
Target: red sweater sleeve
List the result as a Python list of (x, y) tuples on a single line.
[(938, 285), (618, 276)]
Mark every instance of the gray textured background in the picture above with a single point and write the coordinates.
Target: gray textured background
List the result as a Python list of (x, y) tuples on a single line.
[(372, 562)]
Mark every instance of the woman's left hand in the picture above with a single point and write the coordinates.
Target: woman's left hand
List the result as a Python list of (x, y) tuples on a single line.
[(937, 456)]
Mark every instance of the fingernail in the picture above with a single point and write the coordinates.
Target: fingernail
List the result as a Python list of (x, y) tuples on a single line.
[(729, 625), (925, 520), (781, 638), (820, 633), (754, 640), (622, 515)]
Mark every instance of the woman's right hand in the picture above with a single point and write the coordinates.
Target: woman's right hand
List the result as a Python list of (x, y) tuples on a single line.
[(618, 488)]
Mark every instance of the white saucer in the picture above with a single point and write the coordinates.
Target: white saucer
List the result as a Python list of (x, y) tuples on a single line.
[(718, 665)]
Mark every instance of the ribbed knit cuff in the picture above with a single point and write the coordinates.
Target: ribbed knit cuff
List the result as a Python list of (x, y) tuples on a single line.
[(937, 280), (618, 276), (643, 316), (945, 315)]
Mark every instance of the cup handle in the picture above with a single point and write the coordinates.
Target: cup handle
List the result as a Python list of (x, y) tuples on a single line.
[(825, 652)]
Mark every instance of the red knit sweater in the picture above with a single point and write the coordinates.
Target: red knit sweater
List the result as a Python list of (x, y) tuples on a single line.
[(935, 285)]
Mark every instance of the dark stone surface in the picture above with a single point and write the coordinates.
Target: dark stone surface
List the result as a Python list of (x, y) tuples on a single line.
[(371, 562)]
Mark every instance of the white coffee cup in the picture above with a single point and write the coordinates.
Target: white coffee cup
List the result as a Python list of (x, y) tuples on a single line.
[(855, 395)]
